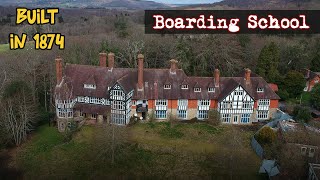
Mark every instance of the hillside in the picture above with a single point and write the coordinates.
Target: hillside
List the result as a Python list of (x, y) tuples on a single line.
[(260, 4), (109, 4)]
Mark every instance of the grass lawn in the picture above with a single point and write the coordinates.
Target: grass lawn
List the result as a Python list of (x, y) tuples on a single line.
[(149, 150), (4, 47)]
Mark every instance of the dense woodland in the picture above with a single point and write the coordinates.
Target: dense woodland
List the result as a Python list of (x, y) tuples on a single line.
[(30, 73), (27, 80)]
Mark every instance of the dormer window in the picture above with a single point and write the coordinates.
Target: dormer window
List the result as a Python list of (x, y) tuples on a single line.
[(89, 86), (184, 86), (260, 90), (197, 89), (167, 86), (210, 89)]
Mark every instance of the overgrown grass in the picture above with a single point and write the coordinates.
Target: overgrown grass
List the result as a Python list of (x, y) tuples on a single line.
[(4, 47), (154, 150)]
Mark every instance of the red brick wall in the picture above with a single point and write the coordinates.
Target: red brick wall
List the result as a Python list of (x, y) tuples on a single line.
[(274, 103)]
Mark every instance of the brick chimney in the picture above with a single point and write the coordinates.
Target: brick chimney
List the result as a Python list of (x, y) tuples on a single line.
[(111, 60), (102, 59), (247, 75), (59, 70), (174, 66), (140, 72), (216, 77)]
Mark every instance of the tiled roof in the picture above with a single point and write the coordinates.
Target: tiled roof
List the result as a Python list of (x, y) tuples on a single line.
[(154, 81)]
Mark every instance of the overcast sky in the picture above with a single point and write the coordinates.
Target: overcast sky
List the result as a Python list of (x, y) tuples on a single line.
[(186, 1)]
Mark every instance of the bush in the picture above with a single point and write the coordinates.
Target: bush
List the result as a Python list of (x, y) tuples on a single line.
[(284, 95), (266, 136), (214, 117), (193, 120), (315, 96), (301, 114)]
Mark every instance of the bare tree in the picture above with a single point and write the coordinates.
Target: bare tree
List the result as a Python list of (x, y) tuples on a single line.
[(19, 112)]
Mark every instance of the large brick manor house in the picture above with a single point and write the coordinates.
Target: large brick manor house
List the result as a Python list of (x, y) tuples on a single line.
[(108, 93)]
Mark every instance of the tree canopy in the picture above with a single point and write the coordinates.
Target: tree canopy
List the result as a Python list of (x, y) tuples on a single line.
[(268, 62), (315, 96)]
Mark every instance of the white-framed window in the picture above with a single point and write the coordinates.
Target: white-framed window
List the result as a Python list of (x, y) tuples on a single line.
[(204, 102), (184, 86), (119, 119), (161, 102), (264, 102), (203, 114), (245, 118), (238, 93), (210, 89), (118, 95), (197, 89), (262, 114), (167, 86), (260, 89), (161, 114), (247, 105), (226, 105), (89, 86), (182, 103), (93, 116), (118, 105), (182, 114), (182, 108), (226, 118), (134, 102)]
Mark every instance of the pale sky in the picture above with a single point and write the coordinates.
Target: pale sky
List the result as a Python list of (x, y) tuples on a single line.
[(187, 1)]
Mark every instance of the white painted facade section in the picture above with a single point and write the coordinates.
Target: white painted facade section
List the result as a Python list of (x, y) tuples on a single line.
[(237, 107)]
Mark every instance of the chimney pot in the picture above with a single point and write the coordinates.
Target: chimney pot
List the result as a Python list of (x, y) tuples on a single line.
[(140, 71), (247, 75), (216, 77), (102, 59), (173, 67), (59, 69), (111, 60)]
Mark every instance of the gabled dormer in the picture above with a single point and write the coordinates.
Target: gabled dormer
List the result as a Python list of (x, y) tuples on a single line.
[(167, 84), (90, 83), (197, 88), (260, 88), (211, 87), (184, 85)]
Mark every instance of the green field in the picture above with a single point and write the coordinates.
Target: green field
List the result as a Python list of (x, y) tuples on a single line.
[(150, 150), (4, 47)]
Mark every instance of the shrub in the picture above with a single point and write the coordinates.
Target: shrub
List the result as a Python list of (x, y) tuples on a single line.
[(214, 117), (266, 136), (315, 96), (194, 120), (302, 114), (284, 95)]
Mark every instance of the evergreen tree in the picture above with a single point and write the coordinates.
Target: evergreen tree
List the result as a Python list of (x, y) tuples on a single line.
[(294, 83), (315, 96), (268, 62)]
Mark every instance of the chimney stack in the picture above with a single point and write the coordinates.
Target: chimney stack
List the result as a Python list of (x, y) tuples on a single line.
[(140, 72), (102, 59), (173, 67), (59, 70), (247, 75), (216, 77), (111, 60)]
